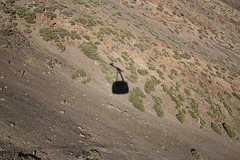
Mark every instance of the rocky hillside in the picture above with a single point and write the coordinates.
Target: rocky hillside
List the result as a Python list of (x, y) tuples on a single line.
[(180, 58)]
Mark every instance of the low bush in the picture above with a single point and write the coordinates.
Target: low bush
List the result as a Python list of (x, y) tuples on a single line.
[(50, 15), (180, 116), (160, 73), (228, 107), (236, 95), (39, 9), (53, 34), (181, 97), (216, 128), (187, 92), (230, 131), (158, 106), (196, 154), (142, 72), (150, 84), (60, 46), (136, 101), (74, 35), (90, 50), (138, 92), (32, 62)]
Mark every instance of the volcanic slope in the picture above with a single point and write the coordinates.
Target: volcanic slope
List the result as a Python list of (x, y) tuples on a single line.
[(180, 60)]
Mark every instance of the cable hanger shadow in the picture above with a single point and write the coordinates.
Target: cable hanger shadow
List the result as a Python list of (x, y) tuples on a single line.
[(119, 87)]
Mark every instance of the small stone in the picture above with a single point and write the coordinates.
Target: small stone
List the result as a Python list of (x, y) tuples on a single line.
[(2, 99), (1, 88), (81, 135), (48, 140), (163, 147), (79, 127), (63, 102), (12, 124), (110, 106), (62, 111), (2, 76), (22, 72), (84, 95)]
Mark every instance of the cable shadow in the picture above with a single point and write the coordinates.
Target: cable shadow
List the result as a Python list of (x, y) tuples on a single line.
[(119, 87)]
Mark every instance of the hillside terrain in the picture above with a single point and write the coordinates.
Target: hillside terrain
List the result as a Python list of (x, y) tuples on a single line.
[(179, 58)]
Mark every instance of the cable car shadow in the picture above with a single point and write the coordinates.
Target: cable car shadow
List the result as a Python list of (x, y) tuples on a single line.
[(119, 87)]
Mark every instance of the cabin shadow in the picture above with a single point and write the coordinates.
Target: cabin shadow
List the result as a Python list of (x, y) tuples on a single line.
[(119, 87)]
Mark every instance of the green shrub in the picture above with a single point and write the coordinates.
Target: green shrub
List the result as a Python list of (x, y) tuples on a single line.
[(39, 9), (138, 92), (157, 107), (163, 66), (228, 107), (150, 84), (216, 128), (32, 62), (187, 92), (165, 89), (90, 50), (174, 72), (230, 131), (50, 15), (157, 100), (74, 35), (196, 154), (96, 155), (81, 20), (72, 22), (53, 34), (193, 114), (193, 103), (160, 73), (6, 31), (210, 100), (79, 73), (160, 8), (136, 101), (180, 116), (236, 95), (60, 46), (181, 97), (67, 12), (29, 16), (142, 72), (81, 2), (159, 110), (132, 78)]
